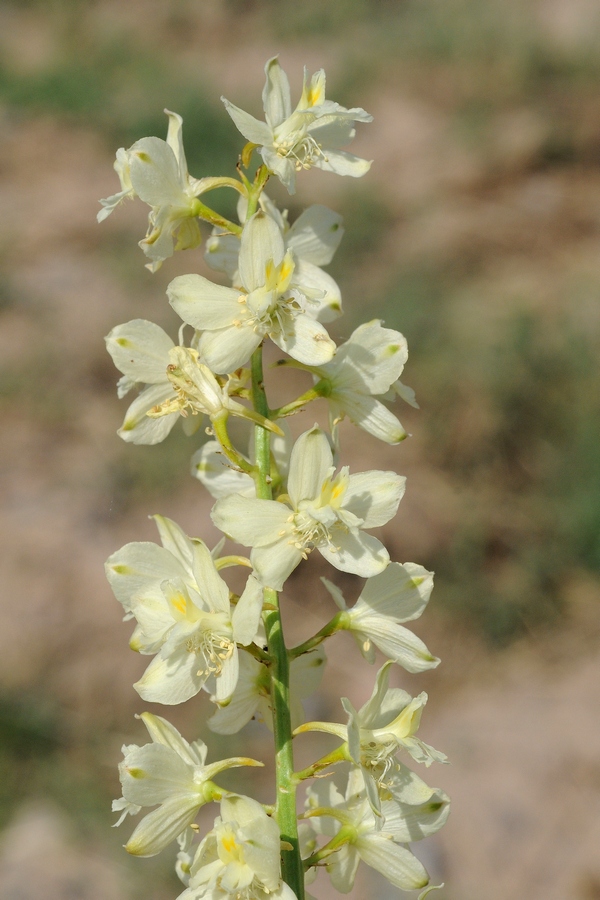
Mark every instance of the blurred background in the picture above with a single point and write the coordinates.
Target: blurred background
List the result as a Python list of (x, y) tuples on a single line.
[(476, 234)]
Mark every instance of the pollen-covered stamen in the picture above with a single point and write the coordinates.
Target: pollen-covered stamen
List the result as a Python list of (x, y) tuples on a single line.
[(311, 532), (308, 533), (378, 757), (303, 149), (213, 646)]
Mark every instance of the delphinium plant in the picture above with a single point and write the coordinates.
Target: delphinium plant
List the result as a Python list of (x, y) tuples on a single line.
[(283, 500)]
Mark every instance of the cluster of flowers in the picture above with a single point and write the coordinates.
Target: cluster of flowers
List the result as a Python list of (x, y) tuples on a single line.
[(281, 499)]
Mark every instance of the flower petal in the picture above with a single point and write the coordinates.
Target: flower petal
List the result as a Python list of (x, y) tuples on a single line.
[(203, 304), (244, 700), (162, 732), (374, 496), (253, 129), (371, 415), (311, 462), (175, 540), (407, 822), (253, 523), (304, 339), (246, 615), (140, 349), (316, 234), (210, 467), (171, 680), (164, 824), (398, 643), (311, 279), (277, 102), (139, 567), (396, 863), (400, 592), (227, 349), (355, 552), (343, 163), (154, 173), (221, 253), (261, 244), (274, 563), (153, 773), (342, 867), (139, 428)]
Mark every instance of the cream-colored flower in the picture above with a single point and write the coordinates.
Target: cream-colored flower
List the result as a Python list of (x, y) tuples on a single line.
[(173, 383), (398, 594), (252, 695), (358, 835), (365, 367), (384, 725), (184, 616), (269, 303), (323, 511), (240, 857), (156, 171), (312, 240), (311, 135), (172, 775)]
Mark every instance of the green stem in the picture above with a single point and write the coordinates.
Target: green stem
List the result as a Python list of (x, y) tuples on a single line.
[(296, 405), (219, 424), (344, 836), (291, 863), (215, 218), (331, 628), (340, 754)]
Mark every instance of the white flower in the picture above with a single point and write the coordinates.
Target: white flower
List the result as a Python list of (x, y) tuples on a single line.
[(171, 774), (368, 364), (198, 391), (386, 724), (398, 594), (184, 616), (240, 857), (324, 510), (252, 695), (234, 322), (310, 135), (174, 383), (156, 171), (312, 239), (359, 835)]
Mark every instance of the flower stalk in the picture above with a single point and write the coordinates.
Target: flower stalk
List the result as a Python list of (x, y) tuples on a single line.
[(285, 788), (283, 499)]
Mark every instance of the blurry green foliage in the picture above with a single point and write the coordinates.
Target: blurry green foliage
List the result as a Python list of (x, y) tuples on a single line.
[(513, 420)]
